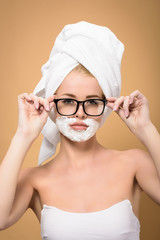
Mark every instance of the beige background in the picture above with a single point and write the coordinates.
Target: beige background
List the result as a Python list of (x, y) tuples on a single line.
[(28, 31)]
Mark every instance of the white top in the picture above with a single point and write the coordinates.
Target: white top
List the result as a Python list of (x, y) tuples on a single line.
[(117, 222)]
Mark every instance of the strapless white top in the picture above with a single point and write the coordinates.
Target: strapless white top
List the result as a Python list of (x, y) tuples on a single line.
[(117, 222)]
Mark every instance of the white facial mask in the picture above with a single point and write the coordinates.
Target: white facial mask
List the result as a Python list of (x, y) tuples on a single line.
[(63, 124)]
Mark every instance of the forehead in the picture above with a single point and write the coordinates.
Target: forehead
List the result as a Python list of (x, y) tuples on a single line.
[(79, 83)]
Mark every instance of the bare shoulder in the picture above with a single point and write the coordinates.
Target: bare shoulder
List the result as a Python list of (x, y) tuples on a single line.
[(145, 172), (31, 174), (133, 159), (133, 156), (27, 175), (38, 175), (137, 157)]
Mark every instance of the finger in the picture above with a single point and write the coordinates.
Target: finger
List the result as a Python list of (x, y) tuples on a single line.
[(41, 108), (40, 102), (137, 94), (51, 98), (44, 102), (52, 105), (47, 103), (118, 103), (25, 96), (35, 100), (33, 96), (126, 104), (111, 99), (51, 101), (110, 102)]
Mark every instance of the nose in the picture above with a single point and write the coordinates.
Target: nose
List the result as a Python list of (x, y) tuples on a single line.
[(80, 113)]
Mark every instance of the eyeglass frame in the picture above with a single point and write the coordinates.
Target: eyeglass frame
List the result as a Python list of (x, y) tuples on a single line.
[(78, 103)]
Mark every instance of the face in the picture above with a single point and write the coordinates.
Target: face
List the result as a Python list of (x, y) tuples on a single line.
[(80, 87)]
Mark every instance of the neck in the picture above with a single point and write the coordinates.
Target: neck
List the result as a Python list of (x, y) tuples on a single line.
[(78, 154)]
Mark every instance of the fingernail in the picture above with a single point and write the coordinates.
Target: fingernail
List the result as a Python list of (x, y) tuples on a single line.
[(126, 114), (114, 108), (131, 100), (37, 105)]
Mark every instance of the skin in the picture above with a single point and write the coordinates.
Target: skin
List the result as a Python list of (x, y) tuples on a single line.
[(85, 176)]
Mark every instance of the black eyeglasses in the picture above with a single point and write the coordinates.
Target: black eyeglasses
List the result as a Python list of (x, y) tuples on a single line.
[(69, 106)]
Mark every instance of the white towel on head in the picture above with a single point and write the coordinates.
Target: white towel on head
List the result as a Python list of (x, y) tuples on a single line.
[(98, 50)]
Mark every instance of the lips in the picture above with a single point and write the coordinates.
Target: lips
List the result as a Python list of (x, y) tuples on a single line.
[(79, 126)]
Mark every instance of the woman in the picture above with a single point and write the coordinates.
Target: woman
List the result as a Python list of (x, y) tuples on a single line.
[(87, 191)]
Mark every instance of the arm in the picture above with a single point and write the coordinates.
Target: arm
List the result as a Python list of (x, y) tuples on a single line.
[(9, 172), (16, 194), (134, 111), (150, 137), (148, 165)]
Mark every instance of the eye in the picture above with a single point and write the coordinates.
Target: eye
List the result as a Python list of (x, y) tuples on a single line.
[(68, 101), (93, 102)]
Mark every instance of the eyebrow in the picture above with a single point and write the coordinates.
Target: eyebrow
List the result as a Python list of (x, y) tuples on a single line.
[(72, 95)]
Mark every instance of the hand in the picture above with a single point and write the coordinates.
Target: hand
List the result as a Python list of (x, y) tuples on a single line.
[(132, 109), (33, 113)]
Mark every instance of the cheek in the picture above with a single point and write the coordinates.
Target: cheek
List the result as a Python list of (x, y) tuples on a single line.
[(98, 119), (57, 114)]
